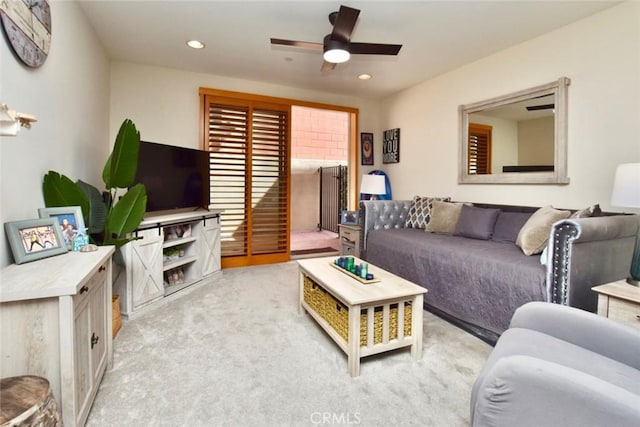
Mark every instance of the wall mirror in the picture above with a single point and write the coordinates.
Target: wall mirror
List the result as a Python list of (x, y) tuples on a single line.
[(519, 138)]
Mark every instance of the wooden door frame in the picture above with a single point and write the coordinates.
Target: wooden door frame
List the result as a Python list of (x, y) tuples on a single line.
[(352, 157)]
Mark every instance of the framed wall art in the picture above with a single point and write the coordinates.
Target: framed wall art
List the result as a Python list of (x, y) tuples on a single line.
[(366, 148), (70, 219), (35, 239), (391, 146)]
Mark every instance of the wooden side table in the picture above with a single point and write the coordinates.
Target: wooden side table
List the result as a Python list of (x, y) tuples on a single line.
[(619, 301), (349, 240), (28, 401)]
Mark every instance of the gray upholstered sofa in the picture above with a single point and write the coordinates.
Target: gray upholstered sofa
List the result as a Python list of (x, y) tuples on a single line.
[(479, 283), (560, 366)]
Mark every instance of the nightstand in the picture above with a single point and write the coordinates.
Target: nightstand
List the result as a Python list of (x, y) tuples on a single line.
[(619, 301), (349, 240)]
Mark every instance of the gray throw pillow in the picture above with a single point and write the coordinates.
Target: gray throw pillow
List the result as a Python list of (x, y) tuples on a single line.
[(534, 234), (444, 217), (508, 226), (476, 223)]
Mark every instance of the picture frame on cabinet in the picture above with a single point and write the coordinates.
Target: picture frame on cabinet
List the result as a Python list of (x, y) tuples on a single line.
[(350, 217), (34, 239), (70, 219)]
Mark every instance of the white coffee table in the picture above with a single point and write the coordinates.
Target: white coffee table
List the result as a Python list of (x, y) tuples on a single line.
[(379, 311)]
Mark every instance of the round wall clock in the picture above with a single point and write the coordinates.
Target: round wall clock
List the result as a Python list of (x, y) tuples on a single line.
[(27, 26)]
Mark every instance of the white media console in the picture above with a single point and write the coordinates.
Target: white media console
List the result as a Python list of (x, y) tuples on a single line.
[(176, 250)]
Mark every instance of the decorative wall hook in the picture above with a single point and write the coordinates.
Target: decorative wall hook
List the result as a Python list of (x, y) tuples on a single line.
[(11, 121)]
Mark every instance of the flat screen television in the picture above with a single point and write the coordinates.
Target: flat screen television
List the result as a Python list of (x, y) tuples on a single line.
[(174, 177)]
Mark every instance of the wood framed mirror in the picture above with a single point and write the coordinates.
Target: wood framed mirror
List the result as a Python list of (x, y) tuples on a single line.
[(519, 138)]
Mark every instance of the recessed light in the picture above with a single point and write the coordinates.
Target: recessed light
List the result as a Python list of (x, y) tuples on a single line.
[(195, 44), (364, 76)]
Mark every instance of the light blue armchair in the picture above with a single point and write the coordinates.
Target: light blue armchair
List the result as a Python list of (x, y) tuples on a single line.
[(560, 366)]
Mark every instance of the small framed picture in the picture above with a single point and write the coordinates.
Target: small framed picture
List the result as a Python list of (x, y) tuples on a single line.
[(70, 219), (349, 217), (35, 239), (366, 148)]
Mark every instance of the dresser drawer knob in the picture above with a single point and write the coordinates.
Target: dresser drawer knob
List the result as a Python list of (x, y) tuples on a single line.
[(102, 268), (84, 289)]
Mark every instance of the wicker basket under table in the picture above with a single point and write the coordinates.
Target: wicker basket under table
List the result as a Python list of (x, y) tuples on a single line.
[(363, 319)]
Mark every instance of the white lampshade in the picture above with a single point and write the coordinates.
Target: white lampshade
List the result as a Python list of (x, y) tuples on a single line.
[(373, 184), (626, 186)]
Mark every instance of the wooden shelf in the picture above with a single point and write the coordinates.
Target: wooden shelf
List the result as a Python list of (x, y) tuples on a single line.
[(170, 265), (175, 242)]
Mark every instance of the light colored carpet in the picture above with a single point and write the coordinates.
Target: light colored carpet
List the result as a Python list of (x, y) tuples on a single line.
[(237, 353)]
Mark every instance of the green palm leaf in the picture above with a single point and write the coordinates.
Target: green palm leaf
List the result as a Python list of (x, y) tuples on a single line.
[(58, 191), (126, 215), (122, 165)]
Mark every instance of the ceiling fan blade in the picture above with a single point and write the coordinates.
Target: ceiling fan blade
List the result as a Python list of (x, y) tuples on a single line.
[(541, 107), (345, 22), (295, 43), (374, 48), (327, 66)]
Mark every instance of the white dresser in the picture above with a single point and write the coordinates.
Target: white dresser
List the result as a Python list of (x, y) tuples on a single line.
[(55, 322)]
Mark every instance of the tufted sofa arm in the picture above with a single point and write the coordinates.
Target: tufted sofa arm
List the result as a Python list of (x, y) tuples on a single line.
[(381, 214), (586, 252)]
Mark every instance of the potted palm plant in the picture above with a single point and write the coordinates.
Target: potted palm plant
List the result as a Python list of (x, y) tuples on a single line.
[(111, 215)]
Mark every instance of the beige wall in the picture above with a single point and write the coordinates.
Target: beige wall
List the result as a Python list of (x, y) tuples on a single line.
[(535, 141), (164, 102), (69, 95), (601, 56), (504, 140), (305, 200)]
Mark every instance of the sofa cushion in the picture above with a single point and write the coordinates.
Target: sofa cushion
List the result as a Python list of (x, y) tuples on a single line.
[(444, 217), (476, 223), (533, 236), (527, 342), (479, 281), (508, 226), (420, 211)]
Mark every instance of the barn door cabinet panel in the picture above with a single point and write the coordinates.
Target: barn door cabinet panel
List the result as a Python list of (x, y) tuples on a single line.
[(172, 252), (56, 313)]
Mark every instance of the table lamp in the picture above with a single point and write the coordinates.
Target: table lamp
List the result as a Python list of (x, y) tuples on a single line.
[(373, 185), (626, 193)]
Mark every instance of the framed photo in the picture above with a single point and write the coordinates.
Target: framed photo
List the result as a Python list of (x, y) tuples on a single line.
[(70, 220), (349, 217), (366, 148), (35, 239), (391, 146)]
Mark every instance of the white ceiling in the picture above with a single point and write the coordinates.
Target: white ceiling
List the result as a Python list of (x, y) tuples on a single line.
[(437, 36)]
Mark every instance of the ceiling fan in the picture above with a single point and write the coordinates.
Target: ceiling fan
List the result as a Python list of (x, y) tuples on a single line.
[(541, 107), (337, 47)]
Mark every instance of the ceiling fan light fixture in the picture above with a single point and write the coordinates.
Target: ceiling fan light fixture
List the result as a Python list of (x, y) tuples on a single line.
[(335, 51), (336, 56)]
